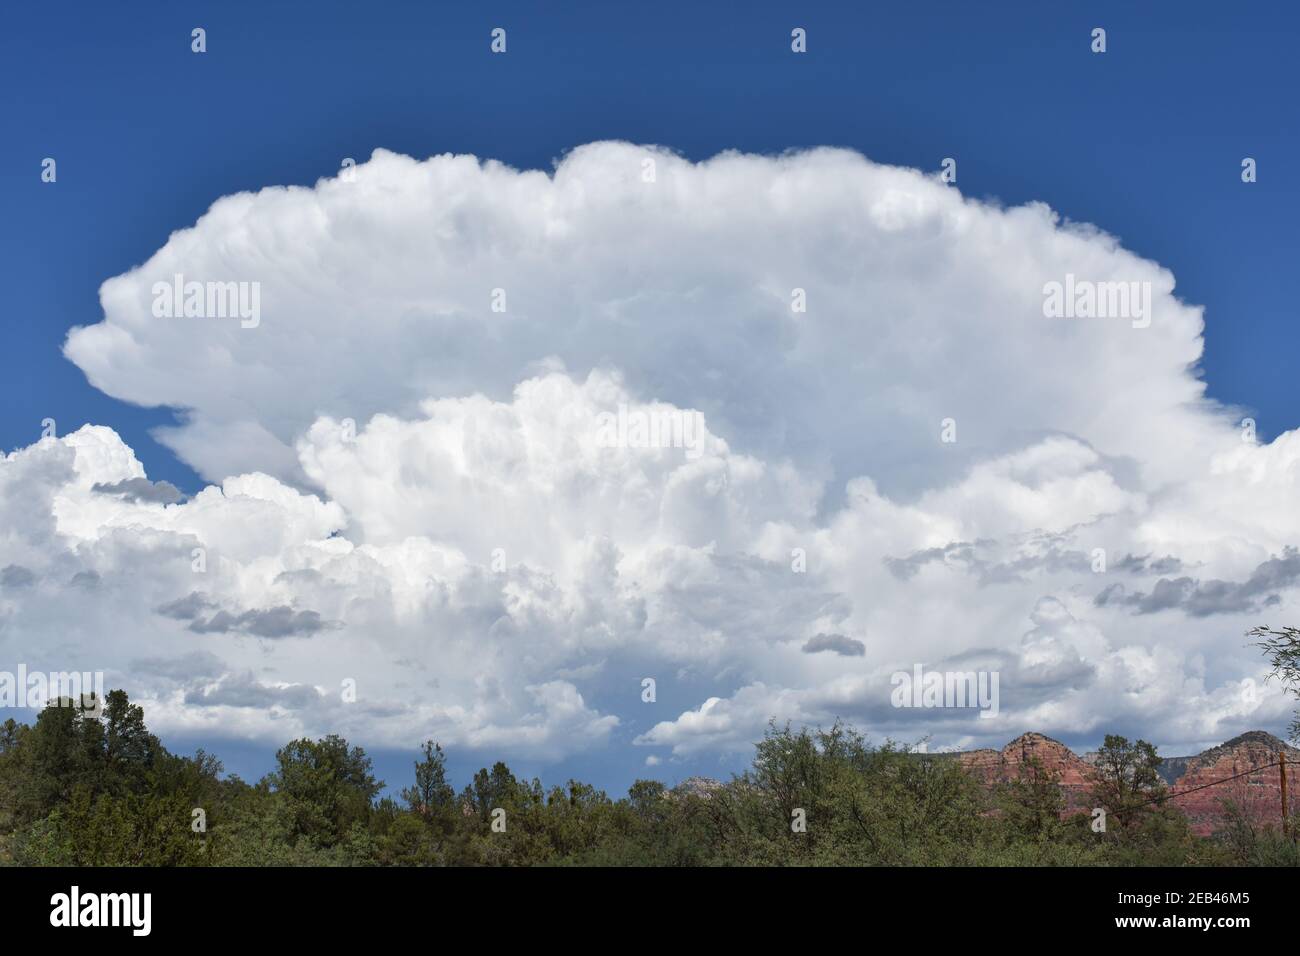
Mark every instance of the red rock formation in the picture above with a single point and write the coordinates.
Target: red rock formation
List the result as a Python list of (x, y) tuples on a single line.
[(1259, 792), (1056, 759)]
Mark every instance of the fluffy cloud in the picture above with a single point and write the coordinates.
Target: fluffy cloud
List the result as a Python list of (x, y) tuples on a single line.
[(422, 524), (379, 294)]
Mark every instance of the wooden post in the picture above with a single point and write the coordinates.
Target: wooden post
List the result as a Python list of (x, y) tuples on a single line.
[(1281, 766)]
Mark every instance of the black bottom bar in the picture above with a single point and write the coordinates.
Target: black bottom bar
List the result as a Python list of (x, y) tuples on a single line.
[(367, 905)]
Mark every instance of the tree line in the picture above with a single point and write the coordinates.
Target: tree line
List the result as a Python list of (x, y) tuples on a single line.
[(91, 786)]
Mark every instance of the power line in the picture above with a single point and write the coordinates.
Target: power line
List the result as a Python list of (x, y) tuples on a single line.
[(1212, 783)]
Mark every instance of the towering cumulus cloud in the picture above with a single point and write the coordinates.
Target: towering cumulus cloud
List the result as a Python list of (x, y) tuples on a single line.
[(770, 430)]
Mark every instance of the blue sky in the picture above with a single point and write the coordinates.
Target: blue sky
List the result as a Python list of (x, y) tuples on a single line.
[(1146, 141)]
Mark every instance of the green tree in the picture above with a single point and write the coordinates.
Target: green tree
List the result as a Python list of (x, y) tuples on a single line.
[(1126, 780), (432, 797), (325, 787), (63, 751), (127, 742)]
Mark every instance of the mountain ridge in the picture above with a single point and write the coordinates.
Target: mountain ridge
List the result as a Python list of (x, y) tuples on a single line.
[(1241, 769)]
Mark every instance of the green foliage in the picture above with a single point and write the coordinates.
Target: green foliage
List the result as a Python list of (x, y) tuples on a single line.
[(1142, 828), (1126, 780), (1246, 841), (432, 798), (325, 788), (1281, 646), (87, 788), (1032, 803)]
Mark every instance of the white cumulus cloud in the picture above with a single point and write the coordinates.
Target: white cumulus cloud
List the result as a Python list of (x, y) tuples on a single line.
[(411, 494)]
